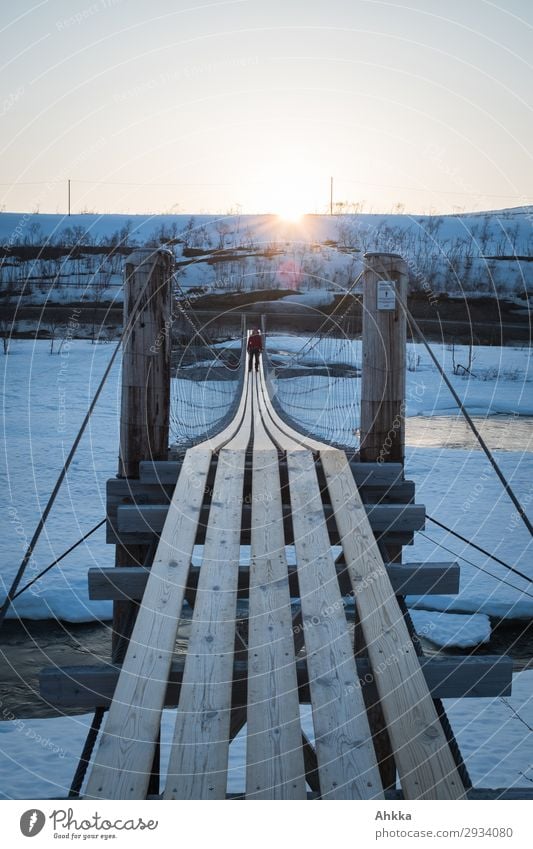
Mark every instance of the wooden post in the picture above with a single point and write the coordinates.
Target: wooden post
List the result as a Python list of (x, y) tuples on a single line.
[(145, 406), (384, 341), (145, 410)]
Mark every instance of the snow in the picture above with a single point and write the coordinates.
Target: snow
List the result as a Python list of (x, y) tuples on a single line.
[(478, 254), (460, 490), (494, 735), (445, 630), (38, 757), (45, 398)]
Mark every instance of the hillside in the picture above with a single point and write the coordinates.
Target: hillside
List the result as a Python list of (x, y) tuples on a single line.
[(59, 259)]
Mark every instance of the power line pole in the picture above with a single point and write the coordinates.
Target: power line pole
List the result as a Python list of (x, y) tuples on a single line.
[(331, 195), (69, 197)]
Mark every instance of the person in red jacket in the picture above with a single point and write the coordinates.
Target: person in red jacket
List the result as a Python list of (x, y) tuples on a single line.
[(255, 347)]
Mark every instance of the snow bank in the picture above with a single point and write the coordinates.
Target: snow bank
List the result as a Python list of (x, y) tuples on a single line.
[(445, 630)]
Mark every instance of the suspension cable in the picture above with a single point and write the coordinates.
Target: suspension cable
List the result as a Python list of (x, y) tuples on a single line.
[(85, 757), (58, 559), (482, 550), (475, 565), (40, 525)]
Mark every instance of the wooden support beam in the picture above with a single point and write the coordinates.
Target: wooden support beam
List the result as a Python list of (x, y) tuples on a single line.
[(147, 519), (365, 474), (128, 583), (133, 491), (447, 677)]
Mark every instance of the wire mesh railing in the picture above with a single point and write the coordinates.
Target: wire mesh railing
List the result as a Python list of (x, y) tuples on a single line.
[(318, 389)]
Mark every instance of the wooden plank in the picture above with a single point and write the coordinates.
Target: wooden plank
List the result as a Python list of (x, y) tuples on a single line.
[(148, 519), (199, 754), (274, 758), (121, 766), (423, 758), (129, 582), (447, 677), (347, 764), (122, 762)]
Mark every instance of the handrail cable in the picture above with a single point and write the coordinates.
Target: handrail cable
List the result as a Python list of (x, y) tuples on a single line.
[(59, 559), (482, 550), (475, 565)]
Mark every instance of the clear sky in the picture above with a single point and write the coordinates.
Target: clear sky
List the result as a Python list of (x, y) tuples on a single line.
[(184, 105)]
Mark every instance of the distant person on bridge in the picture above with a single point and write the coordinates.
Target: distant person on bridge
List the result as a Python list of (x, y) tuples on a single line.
[(255, 347)]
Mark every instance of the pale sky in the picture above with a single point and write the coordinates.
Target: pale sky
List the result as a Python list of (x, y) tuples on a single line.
[(254, 104)]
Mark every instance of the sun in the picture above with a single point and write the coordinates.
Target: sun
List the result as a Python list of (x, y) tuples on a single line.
[(289, 196), (290, 210)]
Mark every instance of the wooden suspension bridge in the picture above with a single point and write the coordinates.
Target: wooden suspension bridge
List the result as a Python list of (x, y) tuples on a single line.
[(375, 699)]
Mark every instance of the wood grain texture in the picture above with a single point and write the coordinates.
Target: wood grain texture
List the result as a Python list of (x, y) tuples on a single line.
[(145, 405), (423, 758), (383, 365), (121, 766), (274, 757), (347, 764), (199, 755)]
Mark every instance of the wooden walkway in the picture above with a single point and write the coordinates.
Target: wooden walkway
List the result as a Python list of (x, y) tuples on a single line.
[(210, 707)]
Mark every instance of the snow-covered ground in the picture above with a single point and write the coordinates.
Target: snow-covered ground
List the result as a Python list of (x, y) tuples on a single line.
[(475, 253), (39, 756), (45, 397)]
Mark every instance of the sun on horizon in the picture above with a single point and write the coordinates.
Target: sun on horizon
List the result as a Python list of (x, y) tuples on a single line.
[(291, 211)]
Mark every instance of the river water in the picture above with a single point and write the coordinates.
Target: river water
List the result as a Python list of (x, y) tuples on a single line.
[(500, 432)]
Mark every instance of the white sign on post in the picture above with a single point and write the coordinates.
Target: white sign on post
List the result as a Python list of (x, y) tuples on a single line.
[(386, 295)]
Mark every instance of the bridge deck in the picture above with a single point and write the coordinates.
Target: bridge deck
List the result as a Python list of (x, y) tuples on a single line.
[(210, 709)]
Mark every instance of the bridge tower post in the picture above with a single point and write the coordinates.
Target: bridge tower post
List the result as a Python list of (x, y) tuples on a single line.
[(383, 423), (383, 372), (145, 402)]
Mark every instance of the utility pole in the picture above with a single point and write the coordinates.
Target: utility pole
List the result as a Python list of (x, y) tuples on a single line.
[(69, 197), (331, 195)]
